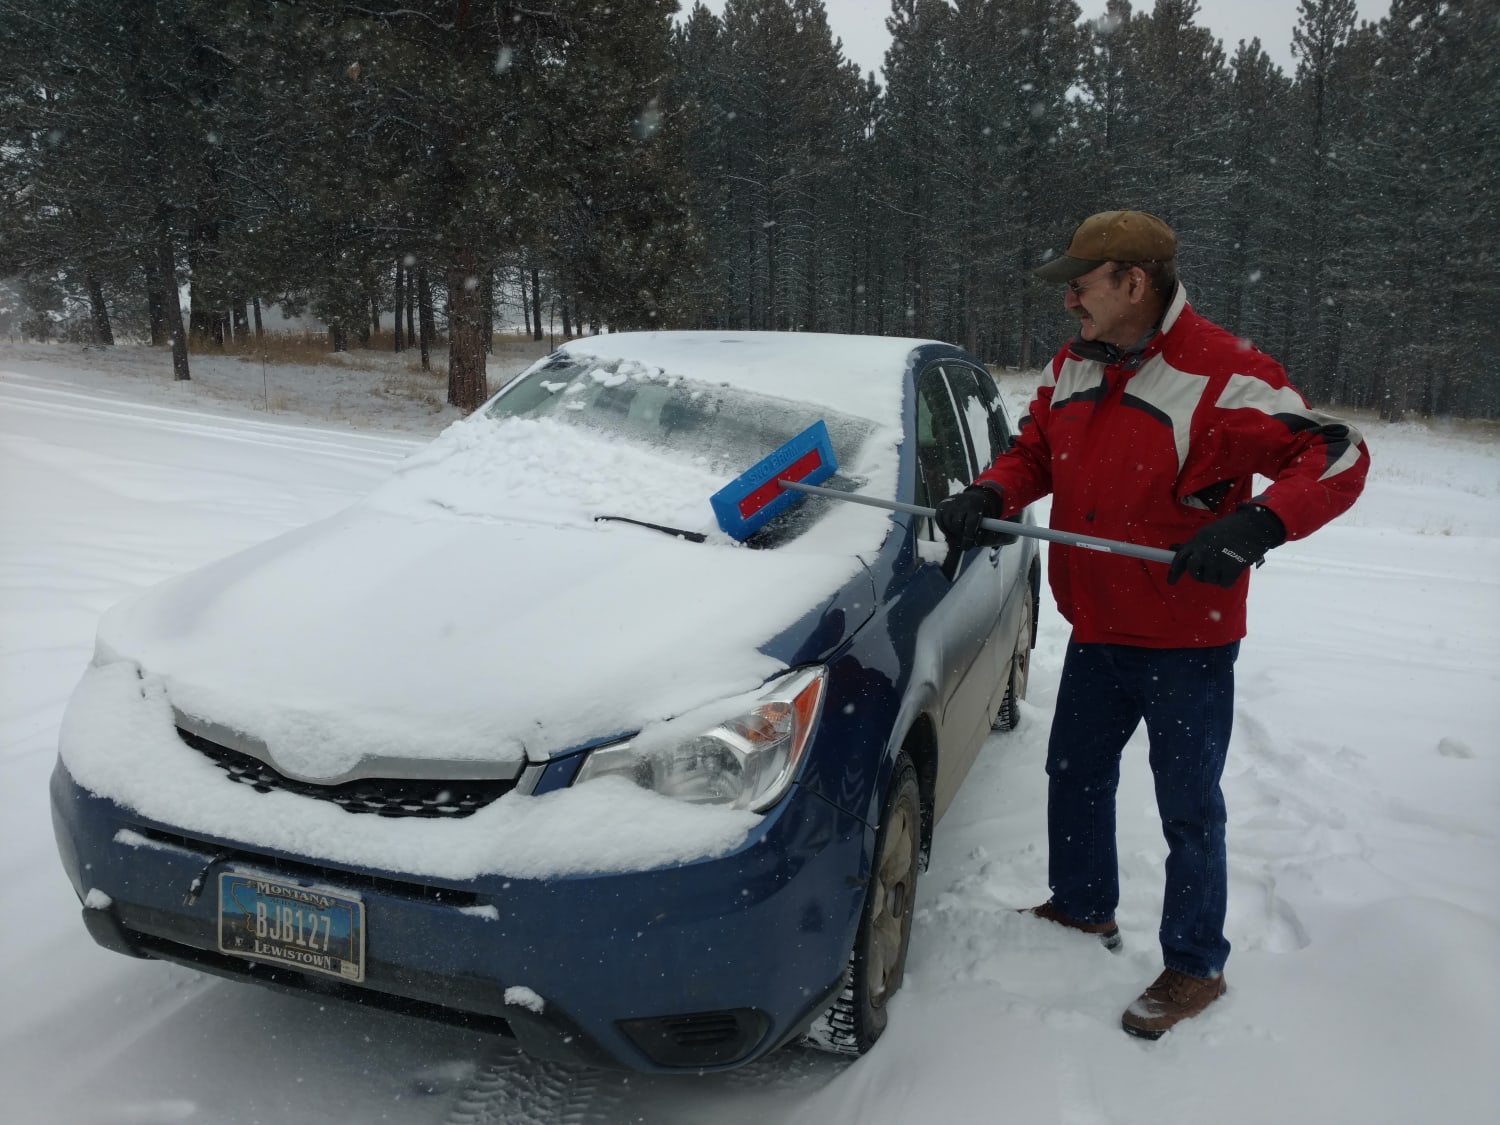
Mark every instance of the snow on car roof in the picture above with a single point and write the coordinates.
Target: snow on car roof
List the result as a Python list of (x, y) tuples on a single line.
[(852, 374)]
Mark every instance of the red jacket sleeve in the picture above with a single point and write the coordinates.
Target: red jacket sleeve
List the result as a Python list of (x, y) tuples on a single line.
[(1316, 463)]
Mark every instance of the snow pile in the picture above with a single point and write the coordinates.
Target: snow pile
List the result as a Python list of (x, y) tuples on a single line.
[(547, 473), (523, 997)]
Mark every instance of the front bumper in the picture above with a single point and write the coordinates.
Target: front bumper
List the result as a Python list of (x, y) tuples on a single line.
[(702, 966)]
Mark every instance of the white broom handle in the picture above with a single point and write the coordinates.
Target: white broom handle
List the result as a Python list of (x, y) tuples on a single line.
[(1067, 538)]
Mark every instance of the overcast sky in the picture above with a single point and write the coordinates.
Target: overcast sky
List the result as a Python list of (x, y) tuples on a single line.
[(861, 24)]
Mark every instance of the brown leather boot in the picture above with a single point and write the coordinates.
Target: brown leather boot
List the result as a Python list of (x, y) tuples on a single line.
[(1107, 932), (1171, 998)]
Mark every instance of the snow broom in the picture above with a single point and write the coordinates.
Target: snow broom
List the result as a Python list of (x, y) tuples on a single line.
[(773, 483)]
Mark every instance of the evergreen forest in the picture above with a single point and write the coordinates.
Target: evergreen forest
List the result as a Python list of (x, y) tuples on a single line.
[(169, 168)]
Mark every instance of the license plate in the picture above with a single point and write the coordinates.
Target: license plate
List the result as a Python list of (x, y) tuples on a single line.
[(307, 927)]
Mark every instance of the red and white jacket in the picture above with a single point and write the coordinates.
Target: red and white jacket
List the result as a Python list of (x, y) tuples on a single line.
[(1151, 447)]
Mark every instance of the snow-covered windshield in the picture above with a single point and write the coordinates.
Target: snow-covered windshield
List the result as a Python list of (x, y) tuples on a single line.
[(719, 428)]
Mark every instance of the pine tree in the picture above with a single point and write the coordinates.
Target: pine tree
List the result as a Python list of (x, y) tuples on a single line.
[(1110, 78), (1255, 270), (1178, 167), (1323, 114), (112, 124), (695, 102), (1429, 122), (1040, 53), (782, 109), (458, 135), (913, 141)]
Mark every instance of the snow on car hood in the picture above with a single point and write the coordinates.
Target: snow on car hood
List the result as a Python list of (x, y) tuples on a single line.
[(474, 610)]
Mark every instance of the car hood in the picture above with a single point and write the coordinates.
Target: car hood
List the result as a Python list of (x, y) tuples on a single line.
[(380, 643)]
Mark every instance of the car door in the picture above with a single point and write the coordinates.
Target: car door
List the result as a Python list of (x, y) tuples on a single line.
[(989, 435), (964, 622)]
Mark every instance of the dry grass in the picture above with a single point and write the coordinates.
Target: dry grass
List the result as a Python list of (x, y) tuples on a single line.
[(396, 377), (1368, 419), (306, 348), (311, 349), (412, 383)]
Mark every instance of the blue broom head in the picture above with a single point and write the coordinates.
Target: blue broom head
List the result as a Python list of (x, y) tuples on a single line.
[(753, 499)]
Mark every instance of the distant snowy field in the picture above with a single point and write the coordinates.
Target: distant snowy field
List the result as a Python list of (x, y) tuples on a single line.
[(1363, 788)]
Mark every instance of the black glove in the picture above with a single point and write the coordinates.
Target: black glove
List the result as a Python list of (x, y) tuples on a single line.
[(958, 517), (1223, 550)]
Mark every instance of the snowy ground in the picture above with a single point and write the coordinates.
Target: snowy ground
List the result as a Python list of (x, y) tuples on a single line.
[(1363, 787)]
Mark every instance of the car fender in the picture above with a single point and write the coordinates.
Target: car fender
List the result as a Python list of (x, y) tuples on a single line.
[(882, 685)]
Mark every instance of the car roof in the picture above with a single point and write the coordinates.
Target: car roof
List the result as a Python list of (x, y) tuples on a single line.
[(856, 375)]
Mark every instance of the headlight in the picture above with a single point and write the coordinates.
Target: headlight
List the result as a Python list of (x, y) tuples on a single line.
[(746, 762)]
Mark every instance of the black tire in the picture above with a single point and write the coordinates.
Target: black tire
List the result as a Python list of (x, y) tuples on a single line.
[(1008, 718), (878, 961)]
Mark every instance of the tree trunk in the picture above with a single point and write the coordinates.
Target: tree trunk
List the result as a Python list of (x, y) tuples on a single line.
[(197, 320), (852, 291), (156, 312), (338, 336), (166, 266), (205, 308), (487, 305), (400, 338), (99, 312), (425, 318), (260, 329), (536, 301), (411, 309), (812, 312), (970, 313), (525, 300), (241, 318), (1028, 312), (773, 266), (466, 365), (1028, 328), (567, 320)]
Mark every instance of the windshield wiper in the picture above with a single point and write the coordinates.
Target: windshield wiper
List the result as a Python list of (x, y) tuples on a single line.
[(676, 532)]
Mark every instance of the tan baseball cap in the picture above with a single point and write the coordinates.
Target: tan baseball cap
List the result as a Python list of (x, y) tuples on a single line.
[(1111, 236)]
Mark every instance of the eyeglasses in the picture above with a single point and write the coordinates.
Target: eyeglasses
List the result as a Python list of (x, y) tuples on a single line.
[(1075, 289)]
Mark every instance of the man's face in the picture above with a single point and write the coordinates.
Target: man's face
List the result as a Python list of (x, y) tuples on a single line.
[(1101, 300)]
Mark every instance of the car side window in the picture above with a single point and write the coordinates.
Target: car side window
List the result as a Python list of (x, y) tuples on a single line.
[(943, 466), (979, 406)]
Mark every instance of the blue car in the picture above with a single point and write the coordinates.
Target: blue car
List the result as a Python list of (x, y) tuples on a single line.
[(525, 741)]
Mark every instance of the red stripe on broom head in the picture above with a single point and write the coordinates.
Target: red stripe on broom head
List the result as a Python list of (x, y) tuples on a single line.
[(767, 492)]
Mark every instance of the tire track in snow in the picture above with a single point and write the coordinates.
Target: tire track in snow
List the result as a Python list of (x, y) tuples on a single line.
[(1329, 567), (360, 448), (513, 1089)]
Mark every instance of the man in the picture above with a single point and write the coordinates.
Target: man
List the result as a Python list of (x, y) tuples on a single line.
[(1150, 427)]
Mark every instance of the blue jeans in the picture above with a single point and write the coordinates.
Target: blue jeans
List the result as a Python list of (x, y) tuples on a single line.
[(1186, 696)]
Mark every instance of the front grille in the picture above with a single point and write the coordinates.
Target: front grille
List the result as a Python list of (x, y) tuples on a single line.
[(383, 796)]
